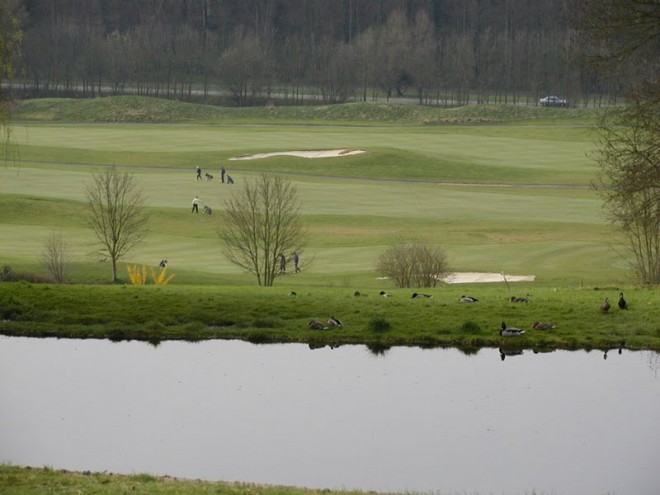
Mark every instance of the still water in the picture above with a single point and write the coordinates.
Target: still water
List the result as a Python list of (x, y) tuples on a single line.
[(407, 420)]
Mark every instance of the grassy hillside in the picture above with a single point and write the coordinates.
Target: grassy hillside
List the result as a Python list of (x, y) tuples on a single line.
[(123, 109)]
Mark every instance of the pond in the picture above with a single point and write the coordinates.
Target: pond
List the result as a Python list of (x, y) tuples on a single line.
[(408, 419)]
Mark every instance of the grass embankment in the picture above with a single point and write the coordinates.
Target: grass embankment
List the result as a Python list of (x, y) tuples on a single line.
[(127, 109), (39, 481), (264, 315)]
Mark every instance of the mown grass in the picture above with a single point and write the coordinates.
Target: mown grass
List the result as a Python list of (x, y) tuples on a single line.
[(39, 481)]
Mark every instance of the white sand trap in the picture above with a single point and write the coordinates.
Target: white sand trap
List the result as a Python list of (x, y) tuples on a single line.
[(301, 154), (479, 277)]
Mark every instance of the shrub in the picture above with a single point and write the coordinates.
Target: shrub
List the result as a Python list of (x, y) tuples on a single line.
[(160, 277), (413, 265), (137, 275)]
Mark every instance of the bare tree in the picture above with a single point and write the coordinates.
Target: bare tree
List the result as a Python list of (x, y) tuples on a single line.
[(629, 180), (11, 38), (244, 67), (622, 37), (413, 265), (56, 256), (262, 222), (116, 213)]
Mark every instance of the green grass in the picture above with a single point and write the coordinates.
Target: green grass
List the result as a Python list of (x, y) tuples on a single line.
[(125, 109), (39, 481), (194, 312)]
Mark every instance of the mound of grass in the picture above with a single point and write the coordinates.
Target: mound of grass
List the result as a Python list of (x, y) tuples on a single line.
[(134, 109)]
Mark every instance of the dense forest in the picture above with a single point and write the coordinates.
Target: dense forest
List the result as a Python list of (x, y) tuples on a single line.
[(286, 51)]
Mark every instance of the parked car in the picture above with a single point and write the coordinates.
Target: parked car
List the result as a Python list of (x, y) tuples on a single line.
[(553, 101)]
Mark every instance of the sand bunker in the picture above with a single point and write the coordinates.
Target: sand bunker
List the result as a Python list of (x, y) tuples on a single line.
[(301, 154), (479, 277)]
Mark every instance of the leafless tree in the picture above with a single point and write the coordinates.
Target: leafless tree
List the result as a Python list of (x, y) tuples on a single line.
[(622, 38), (261, 223), (629, 180), (55, 257), (116, 213), (10, 42), (413, 265)]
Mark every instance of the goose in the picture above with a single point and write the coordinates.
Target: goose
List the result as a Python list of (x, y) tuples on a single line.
[(510, 331), (293, 293), (539, 325), (421, 296), (467, 299), (623, 304), (334, 322), (519, 299), (316, 325), (605, 305), (385, 294)]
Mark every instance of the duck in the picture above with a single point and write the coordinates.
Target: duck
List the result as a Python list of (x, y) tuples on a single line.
[(334, 322), (468, 299), (417, 295), (605, 305), (539, 325), (316, 325), (510, 331), (623, 304), (519, 299), (385, 294)]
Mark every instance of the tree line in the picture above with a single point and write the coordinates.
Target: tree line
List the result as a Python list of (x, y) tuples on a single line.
[(438, 51)]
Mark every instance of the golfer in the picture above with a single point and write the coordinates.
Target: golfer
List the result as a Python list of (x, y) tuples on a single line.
[(195, 204)]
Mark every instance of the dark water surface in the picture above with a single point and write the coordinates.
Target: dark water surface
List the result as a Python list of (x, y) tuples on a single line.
[(409, 420)]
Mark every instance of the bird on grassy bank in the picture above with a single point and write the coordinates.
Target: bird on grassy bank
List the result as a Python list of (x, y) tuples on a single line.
[(316, 325), (468, 299), (519, 299), (605, 305), (334, 322), (385, 294), (510, 331), (417, 295), (623, 304), (539, 325)]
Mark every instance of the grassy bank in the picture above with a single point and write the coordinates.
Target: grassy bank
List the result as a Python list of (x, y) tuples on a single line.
[(38, 481), (123, 109), (194, 313)]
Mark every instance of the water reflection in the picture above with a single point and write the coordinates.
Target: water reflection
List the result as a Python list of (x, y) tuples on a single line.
[(408, 419)]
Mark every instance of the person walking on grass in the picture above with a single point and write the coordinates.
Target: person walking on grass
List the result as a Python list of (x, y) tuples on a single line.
[(195, 204), (222, 174), (296, 259), (199, 173), (282, 263)]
